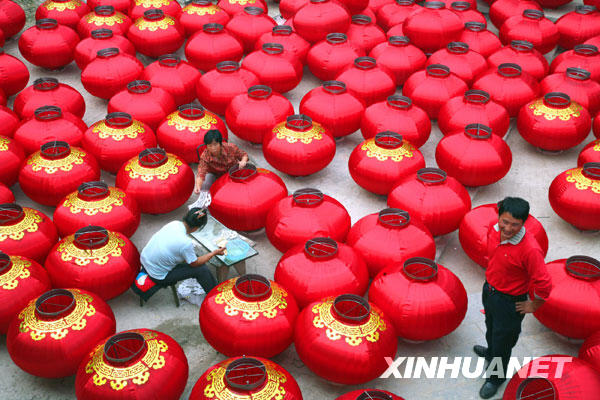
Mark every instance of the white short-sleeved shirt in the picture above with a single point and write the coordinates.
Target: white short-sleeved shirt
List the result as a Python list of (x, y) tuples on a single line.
[(170, 246)]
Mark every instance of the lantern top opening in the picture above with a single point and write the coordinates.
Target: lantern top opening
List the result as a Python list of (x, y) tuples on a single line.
[(365, 63), (139, 86), (579, 74), (557, 100), (460, 5), (48, 113), (191, 111), (334, 87), (585, 9), (228, 66), (388, 140), (336, 38), (212, 28), (108, 52), (361, 19), (458, 47), (55, 150), (394, 217), (478, 131), (438, 70), (583, 267), (154, 14), (91, 237), (125, 348), (272, 48), (420, 268), (435, 5), (307, 197), (431, 175), (374, 395), (521, 46), (405, 2), (45, 84), (241, 174), (536, 388), (321, 247), (253, 10), (104, 10), (351, 308), (169, 60), (252, 287), (475, 26), (259, 92), (592, 170), (282, 30), (54, 304), (201, 2), (399, 102), (533, 14), (476, 96), (5, 262), (299, 122), (102, 34), (510, 70), (46, 23), (153, 157), (399, 40), (118, 119), (93, 191), (586, 49), (245, 374), (10, 214)]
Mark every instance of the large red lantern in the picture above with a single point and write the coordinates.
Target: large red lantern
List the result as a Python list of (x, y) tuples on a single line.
[(252, 115), (433, 26), (365, 34), (11, 157), (197, 13), (49, 123), (48, 44), (480, 39), (397, 111), (288, 8), (584, 56), (474, 228), (248, 25), (65, 12), (117, 138), (314, 20), (474, 107), (395, 13), (6, 196), (367, 394), (119, 5), (156, 34), (596, 126), (96, 260), (595, 41), (94, 203), (104, 17), (259, 312), (9, 122), (509, 86), (12, 18), (501, 10), (60, 327), (474, 156), (174, 75), (233, 7), (212, 45), (306, 214), (466, 10), (576, 83), (522, 53), (345, 339), (575, 196), (87, 50), (56, 170), (299, 146), (242, 198), (133, 364), (462, 61), (168, 7), (21, 280), (577, 26), (422, 299), (367, 80), (437, 200), (183, 131), (377, 164), (590, 153), (292, 42), (273, 68), (158, 181), (47, 91), (246, 377), (589, 351), (14, 76), (327, 58), (431, 88), (533, 27), (399, 57), (319, 268)]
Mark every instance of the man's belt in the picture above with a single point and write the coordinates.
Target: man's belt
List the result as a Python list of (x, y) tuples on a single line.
[(520, 297)]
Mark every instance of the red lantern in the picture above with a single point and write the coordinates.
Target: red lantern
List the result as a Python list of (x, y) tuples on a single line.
[(314, 20), (375, 5), (474, 228), (589, 351), (56, 170), (21, 280), (590, 153), (591, 3), (345, 339), (11, 157), (156, 34), (395, 13), (168, 7), (248, 25), (197, 13), (110, 72), (12, 18), (533, 27), (94, 203), (218, 87), (432, 27), (293, 43), (431, 88), (437, 200), (575, 196), (14, 74), (6, 196), (462, 61), (509, 86), (143, 362), (595, 41), (366, 394), (501, 10), (466, 10), (60, 322), (397, 111), (522, 53), (307, 213), (397, 30), (9, 121), (116, 139), (96, 260), (584, 56), (65, 12), (121, 6), (578, 26), (399, 57), (242, 198), (47, 91), (273, 68), (212, 45), (379, 163), (48, 44), (596, 126), (474, 156), (355, 6), (553, 3), (576, 83), (287, 8), (328, 58), (49, 123), (175, 76), (248, 377), (87, 50), (320, 268), (480, 39), (158, 181), (299, 146), (258, 311), (233, 7), (367, 80), (104, 17), (365, 34)]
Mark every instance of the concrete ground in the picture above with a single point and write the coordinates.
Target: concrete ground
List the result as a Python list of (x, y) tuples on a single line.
[(529, 177)]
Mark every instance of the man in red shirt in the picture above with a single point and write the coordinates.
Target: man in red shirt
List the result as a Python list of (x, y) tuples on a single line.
[(515, 267)]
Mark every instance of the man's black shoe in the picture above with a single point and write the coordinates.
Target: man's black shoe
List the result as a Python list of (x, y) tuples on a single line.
[(481, 351), (488, 390)]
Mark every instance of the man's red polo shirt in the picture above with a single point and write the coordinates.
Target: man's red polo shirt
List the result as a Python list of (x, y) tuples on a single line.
[(516, 266)]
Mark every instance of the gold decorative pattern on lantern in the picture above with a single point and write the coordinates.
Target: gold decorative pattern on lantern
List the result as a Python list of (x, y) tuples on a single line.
[(597, 145), (57, 329), (29, 223), (105, 131), (109, 20), (50, 166), (162, 172), (69, 251), (581, 181), (69, 5), (272, 389), (382, 154), (152, 3), (191, 9), (4, 142), (353, 334), (192, 125), (242, 2), (18, 270), (251, 310), (292, 136), (138, 373), (153, 26), (564, 114), (104, 206)]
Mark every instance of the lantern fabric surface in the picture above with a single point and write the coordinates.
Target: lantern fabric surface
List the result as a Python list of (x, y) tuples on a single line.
[(577, 84), (288, 8), (117, 138), (317, 18), (473, 232), (432, 27), (298, 146), (590, 351), (197, 13), (48, 44), (522, 53), (11, 157), (6, 196), (307, 213), (590, 153), (104, 17), (480, 39), (110, 72), (212, 45), (585, 56), (158, 181), (574, 195), (345, 339), (533, 27), (174, 75), (14, 75), (233, 7), (156, 34), (577, 26), (370, 82), (65, 12), (168, 7), (466, 10), (273, 68), (248, 25), (369, 393), (319, 268), (158, 367), (87, 50), (292, 43), (328, 58), (399, 57), (21, 280), (246, 378), (9, 121), (119, 5), (12, 18), (242, 198), (462, 61), (437, 200), (364, 33), (395, 13), (94, 203), (260, 313), (49, 174), (60, 327), (48, 91), (501, 10)]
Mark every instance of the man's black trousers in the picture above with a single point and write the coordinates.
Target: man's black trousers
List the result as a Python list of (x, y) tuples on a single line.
[(184, 271)]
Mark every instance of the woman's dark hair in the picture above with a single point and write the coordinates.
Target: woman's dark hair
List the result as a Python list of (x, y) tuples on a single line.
[(193, 219), (515, 206), (212, 136)]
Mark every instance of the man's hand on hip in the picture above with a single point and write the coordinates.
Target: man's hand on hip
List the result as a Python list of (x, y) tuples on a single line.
[(528, 306)]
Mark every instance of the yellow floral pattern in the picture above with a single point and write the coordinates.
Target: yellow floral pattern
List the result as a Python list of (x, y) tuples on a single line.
[(192, 125), (162, 172), (251, 310), (293, 136), (105, 131), (29, 223), (152, 3), (75, 204), (82, 257), (383, 154), (241, 2), (597, 145), (192, 9), (18, 271), (108, 20), (581, 181), (61, 6), (51, 166), (4, 142), (153, 26), (564, 114)]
